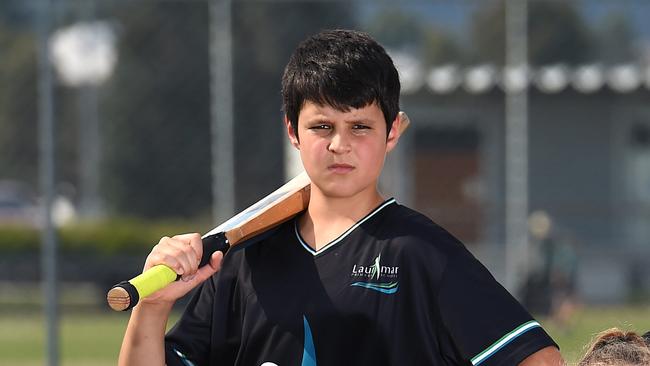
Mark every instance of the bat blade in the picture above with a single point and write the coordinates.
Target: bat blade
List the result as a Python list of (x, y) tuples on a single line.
[(272, 210)]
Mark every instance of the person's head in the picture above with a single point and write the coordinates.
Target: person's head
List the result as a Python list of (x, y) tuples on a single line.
[(646, 338), (341, 100), (343, 69), (615, 347), (540, 224)]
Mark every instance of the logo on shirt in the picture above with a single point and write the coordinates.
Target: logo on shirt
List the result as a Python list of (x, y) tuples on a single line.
[(376, 276)]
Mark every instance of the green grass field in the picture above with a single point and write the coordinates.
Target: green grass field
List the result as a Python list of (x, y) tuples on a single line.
[(86, 339), (588, 322), (93, 338)]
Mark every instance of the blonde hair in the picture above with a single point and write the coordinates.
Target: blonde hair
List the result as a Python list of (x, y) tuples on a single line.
[(614, 347)]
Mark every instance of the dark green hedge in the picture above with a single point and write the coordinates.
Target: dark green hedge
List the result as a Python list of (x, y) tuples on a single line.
[(111, 236)]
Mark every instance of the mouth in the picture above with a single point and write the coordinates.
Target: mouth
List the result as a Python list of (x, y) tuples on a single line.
[(340, 168)]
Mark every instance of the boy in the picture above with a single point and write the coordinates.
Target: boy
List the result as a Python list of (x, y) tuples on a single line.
[(356, 279)]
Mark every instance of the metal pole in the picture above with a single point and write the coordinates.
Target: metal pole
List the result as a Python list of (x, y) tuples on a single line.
[(89, 152), (222, 130), (46, 177), (516, 140), (90, 204)]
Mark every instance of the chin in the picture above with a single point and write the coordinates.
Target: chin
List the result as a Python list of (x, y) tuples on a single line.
[(336, 190)]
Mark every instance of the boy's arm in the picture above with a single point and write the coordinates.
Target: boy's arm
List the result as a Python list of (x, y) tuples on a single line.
[(506, 333), (549, 356), (144, 340)]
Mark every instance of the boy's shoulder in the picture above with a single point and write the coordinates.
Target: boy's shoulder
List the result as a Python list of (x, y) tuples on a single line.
[(411, 227)]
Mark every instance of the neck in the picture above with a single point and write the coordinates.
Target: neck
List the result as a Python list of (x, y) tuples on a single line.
[(328, 217)]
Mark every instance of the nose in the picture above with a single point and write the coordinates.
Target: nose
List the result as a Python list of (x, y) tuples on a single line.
[(339, 143)]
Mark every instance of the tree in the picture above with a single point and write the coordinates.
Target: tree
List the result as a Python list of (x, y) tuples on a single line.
[(395, 28), (265, 34), (19, 97), (157, 112), (158, 126), (615, 39), (398, 29), (18, 112), (556, 34)]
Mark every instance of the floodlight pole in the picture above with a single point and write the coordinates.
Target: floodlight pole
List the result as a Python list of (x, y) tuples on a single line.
[(221, 110), (90, 202), (46, 180), (516, 147)]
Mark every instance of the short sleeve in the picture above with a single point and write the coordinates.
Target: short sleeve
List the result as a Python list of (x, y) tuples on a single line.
[(210, 329), (486, 324), (188, 342)]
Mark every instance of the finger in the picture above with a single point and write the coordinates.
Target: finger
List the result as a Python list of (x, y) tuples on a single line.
[(213, 267), (174, 253), (195, 242), (163, 256), (215, 260), (185, 254), (194, 250)]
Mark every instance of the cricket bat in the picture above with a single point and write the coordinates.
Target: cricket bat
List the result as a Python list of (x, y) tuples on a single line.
[(272, 210)]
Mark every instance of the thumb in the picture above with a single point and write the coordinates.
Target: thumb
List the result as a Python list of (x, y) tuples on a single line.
[(211, 268)]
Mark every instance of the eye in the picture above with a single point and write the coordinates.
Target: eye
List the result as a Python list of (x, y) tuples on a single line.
[(361, 129), (320, 127)]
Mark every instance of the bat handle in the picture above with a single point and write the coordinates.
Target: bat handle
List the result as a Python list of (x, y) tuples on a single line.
[(211, 244), (126, 294)]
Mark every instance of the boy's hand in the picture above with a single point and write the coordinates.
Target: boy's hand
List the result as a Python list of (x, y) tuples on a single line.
[(182, 253)]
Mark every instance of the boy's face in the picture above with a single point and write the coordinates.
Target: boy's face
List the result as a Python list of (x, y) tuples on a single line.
[(343, 152)]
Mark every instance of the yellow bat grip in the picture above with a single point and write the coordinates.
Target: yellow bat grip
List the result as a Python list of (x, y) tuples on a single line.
[(125, 295), (153, 279)]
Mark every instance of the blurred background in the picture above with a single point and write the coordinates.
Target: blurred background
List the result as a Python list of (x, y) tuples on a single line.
[(130, 120)]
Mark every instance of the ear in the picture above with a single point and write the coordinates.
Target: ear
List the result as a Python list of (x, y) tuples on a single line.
[(394, 134), (293, 136)]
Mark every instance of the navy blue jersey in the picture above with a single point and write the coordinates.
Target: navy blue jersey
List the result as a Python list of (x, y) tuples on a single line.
[(394, 289)]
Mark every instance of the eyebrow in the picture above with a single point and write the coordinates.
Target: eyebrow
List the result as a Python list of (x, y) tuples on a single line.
[(326, 119), (366, 120)]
